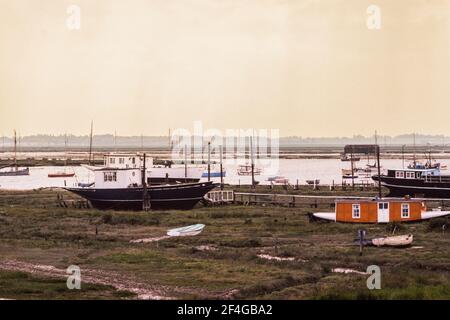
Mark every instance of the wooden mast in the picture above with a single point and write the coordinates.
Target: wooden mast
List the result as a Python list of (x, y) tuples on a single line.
[(414, 154), (15, 150), (146, 204), (379, 171), (185, 163), (209, 160), (90, 143), (65, 150), (221, 168), (252, 161)]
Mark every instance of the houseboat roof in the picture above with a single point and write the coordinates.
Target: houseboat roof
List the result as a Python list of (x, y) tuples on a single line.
[(415, 170), (378, 200), (123, 154)]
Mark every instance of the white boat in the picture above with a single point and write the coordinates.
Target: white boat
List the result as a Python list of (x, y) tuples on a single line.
[(278, 180), (397, 241), (246, 170), (186, 231), (155, 174)]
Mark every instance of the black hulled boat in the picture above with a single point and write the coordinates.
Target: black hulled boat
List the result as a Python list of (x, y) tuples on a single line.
[(129, 189), (177, 196), (427, 183)]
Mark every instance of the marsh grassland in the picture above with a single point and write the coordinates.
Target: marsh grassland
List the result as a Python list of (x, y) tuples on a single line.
[(39, 240)]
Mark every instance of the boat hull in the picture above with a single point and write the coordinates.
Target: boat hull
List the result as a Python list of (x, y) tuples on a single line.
[(18, 172), (182, 196), (214, 174), (61, 175), (414, 187)]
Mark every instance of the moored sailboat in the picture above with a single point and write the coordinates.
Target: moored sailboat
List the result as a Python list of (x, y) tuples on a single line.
[(14, 169)]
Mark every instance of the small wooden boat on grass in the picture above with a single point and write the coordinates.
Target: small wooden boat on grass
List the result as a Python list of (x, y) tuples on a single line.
[(396, 241), (186, 231)]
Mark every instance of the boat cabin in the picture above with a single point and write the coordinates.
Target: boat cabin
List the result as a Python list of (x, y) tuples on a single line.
[(378, 211), (108, 178), (413, 173), (126, 161)]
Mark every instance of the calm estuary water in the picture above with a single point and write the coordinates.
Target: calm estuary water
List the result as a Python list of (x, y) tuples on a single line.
[(326, 170)]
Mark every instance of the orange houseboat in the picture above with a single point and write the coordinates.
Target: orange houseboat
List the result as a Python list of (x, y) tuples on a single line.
[(380, 211)]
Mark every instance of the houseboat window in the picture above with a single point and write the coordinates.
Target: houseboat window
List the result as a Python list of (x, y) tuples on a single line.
[(109, 176), (383, 205), (399, 174), (410, 175), (356, 211), (405, 210)]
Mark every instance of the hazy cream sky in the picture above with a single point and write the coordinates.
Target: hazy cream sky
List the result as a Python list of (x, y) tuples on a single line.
[(309, 68)]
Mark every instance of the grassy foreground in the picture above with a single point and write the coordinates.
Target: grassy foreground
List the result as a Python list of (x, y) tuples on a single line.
[(221, 262)]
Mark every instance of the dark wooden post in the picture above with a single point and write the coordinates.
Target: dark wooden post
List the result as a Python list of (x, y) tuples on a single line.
[(221, 168), (209, 160), (379, 170), (146, 205)]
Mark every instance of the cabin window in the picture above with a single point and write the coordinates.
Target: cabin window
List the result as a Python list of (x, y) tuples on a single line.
[(133, 160), (109, 176), (112, 160), (417, 175), (356, 211), (410, 175), (383, 205), (399, 174), (405, 210), (121, 160)]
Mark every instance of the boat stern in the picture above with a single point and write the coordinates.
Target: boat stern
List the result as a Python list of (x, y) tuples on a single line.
[(330, 216), (434, 214)]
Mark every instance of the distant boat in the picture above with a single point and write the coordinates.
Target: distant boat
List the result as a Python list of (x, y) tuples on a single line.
[(278, 180), (316, 181), (61, 175), (344, 157), (214, 174), (347, 174), (14, 170), (246, 170)]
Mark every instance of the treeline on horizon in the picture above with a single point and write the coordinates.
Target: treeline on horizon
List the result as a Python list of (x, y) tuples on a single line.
[(110, 140)]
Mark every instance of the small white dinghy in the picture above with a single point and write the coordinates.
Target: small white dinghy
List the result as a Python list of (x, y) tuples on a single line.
[(397, 241), (186, 231)]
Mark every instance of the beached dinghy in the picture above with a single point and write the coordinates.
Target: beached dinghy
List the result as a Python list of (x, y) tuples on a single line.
[(397, 241), (186, 231)]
